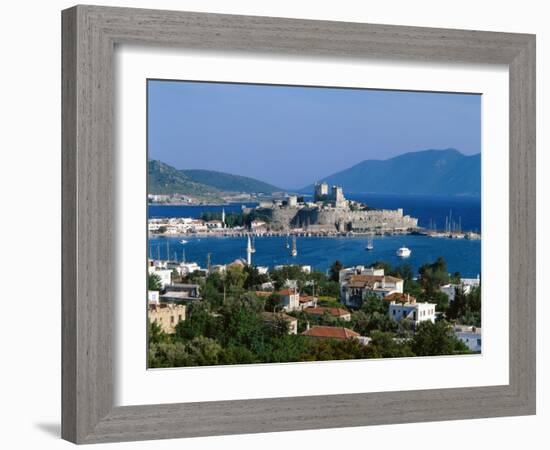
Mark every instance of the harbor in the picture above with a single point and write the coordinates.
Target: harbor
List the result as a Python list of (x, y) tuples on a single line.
[(319, 252)]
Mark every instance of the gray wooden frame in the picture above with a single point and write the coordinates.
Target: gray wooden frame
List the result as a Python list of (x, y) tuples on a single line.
[(89, 36)]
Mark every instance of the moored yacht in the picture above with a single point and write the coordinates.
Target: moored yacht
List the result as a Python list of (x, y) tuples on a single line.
[(403, 252)]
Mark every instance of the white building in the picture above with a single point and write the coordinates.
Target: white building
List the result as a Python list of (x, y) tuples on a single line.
[(415, 312), (187, 268), (290, 298), (473, 282), (214, 225), (469, 335), (198, 226), (262, 270), (153, 297), (358, 270), (466, 284), (165, 275), (292, 201), (358, 283)]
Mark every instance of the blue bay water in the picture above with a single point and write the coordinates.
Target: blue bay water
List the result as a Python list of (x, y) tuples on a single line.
[(462, 255)]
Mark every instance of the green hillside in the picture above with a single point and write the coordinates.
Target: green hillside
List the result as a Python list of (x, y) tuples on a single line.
[(165, 179), (230, 183), (201, 184)]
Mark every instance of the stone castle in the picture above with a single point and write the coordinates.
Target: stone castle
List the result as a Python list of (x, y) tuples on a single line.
[(332, 212)]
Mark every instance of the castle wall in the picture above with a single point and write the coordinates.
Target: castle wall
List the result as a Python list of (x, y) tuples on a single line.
[(338, 219)]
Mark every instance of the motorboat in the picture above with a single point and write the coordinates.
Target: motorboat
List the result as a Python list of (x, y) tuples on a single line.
[(403, 252)]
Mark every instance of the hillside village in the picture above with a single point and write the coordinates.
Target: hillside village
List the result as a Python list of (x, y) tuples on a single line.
[(240, 313)]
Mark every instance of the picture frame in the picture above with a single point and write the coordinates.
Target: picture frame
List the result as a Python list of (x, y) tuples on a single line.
[(90, 34)]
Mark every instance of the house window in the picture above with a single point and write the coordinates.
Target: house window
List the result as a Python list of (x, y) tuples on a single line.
[(393, 312), (479, 342), (179, 318), (171, 319)]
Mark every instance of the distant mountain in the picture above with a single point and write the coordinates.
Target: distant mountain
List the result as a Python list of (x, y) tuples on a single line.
[(203, 184), (228, 182), (445, 172), (165, 179)]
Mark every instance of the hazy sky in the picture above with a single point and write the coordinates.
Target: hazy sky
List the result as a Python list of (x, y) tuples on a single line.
[(293, 136)]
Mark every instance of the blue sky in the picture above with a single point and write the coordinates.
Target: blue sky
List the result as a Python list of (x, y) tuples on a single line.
[(293, 136)]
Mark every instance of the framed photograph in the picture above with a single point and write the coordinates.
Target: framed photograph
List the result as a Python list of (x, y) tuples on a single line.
[(268, 222)]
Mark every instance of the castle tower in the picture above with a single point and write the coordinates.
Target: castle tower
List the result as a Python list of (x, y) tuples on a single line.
[(321, 192), (338, 196), (249, 252), (223, 217)]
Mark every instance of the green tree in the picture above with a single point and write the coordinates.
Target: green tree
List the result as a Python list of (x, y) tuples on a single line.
[(438, 338), (203, 351), (384, 345), (200, 322), (154, 282), (235, 277), (373, 303), (253, 278), (388, 269), (242, 325), (167, 354), (274, 303), (279, 326), (335, 269)]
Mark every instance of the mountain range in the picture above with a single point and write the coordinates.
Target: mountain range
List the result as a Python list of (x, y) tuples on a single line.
[(202, 184), (442, 172)]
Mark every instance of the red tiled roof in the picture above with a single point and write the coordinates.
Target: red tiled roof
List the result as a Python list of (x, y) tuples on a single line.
[(320, 310), (289, 291), (366, 278), (307, 298), (397, 297), (330, 332), (359, 281)]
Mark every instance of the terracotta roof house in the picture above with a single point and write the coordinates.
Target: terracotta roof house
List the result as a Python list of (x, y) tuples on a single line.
[(307, 301), (290, 298), (339, 313), (354, 288), (324, 332)]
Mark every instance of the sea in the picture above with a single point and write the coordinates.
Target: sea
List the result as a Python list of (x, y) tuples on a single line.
[(462, 255)]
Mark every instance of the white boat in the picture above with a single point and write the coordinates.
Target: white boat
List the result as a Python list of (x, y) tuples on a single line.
[(183, 241), (370, 244), (403, 252), (294, 251)]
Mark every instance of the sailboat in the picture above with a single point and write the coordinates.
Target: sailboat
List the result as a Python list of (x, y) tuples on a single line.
[(370, 244), (287, 242), (294, 251)]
